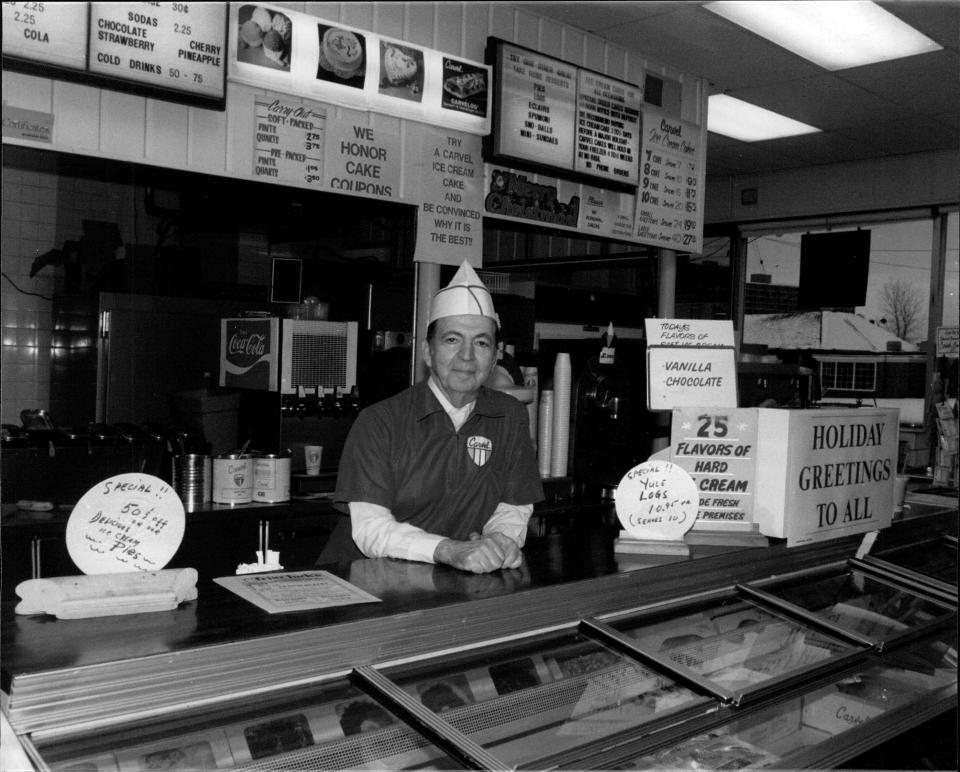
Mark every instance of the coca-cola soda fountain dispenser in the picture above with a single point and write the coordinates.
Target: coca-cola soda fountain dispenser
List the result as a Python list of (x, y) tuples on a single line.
[(298, 380)]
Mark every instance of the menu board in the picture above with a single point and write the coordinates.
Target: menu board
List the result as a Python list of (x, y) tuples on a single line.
[(558, 115), (288, 141), (175, 50), (670, 196), (55, 33), (178, 46), (537, 107), (608, 127)]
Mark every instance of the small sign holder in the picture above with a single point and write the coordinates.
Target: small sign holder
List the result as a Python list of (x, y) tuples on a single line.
[(656, 505)]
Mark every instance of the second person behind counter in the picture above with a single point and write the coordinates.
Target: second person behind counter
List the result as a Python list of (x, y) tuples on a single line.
[(443, 472)]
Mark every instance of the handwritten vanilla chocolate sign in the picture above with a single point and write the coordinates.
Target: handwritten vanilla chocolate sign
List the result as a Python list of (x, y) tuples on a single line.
[(657, 500), (129, 522)]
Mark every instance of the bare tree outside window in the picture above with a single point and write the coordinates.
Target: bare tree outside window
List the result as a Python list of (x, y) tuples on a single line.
[(903, 304)]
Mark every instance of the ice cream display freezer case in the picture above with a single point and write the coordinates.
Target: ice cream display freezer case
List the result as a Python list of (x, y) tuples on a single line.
[(805, 668)]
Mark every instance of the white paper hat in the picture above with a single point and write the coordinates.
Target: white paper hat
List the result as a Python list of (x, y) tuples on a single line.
[(465, 294)]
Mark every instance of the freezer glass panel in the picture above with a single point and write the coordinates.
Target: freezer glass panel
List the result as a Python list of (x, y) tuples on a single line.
[(859, 603), (337, 727), (735, 644), (534, 701), (937, 560), (775, 735)]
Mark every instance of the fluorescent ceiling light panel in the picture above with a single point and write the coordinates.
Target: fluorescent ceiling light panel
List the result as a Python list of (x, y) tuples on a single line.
[(836, 34), (749, 123)]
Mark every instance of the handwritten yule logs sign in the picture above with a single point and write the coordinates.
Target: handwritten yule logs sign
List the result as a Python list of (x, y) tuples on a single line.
[(657, 501), (129, 522)]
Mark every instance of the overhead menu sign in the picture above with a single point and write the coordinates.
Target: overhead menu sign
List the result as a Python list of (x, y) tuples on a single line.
[(168, 50), (672, 178), (537, 107), (564, 117), (295, 53), (608, 127), (167, 45), (55, 33)]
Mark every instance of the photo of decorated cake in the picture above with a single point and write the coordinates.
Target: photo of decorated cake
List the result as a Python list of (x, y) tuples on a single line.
[(401, 71), (264, 37), (342, 55)]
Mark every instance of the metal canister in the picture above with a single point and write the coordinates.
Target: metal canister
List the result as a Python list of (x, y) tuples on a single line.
[(233, 478), (271, 477)]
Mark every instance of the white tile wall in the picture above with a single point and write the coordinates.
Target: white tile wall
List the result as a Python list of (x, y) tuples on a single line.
[(28, 229)]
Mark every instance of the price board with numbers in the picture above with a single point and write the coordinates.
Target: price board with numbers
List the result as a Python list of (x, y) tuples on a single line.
[(174, 51), (672, 176)]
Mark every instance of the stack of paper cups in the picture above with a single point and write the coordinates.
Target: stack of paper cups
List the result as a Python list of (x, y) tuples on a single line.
[(545, 432), (561, 416)]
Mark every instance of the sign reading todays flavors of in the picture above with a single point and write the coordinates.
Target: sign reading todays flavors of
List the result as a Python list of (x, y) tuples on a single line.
[(823, 474), (690, 363)]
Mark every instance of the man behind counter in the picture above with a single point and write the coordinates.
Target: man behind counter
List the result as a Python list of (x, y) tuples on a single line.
[(444, 471)]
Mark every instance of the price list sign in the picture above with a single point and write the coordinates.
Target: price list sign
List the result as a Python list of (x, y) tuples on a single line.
[(288, 144), (669, 197), (538, 106), (608, 128), (177, 46), (55, 33)]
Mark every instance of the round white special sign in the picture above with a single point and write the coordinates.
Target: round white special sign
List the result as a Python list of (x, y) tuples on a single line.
[(657, 500), (129, 522)]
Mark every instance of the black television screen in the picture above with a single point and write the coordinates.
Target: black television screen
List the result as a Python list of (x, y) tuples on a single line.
[(833, 269)]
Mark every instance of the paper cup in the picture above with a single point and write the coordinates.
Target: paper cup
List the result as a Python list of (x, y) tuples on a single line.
[(899, 492), (313, 455)]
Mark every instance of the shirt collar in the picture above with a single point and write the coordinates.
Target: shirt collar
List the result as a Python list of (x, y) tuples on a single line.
[(427, 402)]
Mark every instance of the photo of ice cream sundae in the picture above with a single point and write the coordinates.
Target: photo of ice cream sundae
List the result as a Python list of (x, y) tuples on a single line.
[(264, 37)]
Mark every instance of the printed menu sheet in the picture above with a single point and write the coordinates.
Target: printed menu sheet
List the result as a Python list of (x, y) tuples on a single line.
[(288, 141), (295, 591), (608, 127)]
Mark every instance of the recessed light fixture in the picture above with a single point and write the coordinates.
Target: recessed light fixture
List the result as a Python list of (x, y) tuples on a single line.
[(836, 34), (741, 120)]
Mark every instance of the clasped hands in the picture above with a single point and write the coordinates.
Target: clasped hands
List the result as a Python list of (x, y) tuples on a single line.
[(479, 554)]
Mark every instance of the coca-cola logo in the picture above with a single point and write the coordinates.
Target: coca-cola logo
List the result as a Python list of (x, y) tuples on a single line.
[(251, 345)]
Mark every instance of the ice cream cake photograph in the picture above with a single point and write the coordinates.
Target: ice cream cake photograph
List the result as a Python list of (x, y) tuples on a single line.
[(401, 71), (343, 56), (264, 37)]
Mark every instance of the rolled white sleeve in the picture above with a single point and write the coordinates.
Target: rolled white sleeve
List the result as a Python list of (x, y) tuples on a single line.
[(377, 534), (510, 520)]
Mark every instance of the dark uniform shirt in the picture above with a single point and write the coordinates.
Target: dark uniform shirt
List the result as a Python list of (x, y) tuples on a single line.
[(404, 454)]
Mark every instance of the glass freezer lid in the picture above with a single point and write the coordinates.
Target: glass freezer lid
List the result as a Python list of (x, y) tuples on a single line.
[(736, 646), (813, 729), (533, 703), (870, 608), (936, 559), (333, 727)]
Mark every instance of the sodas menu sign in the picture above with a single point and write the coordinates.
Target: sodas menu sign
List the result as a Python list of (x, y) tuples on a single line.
[(169, 48)]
